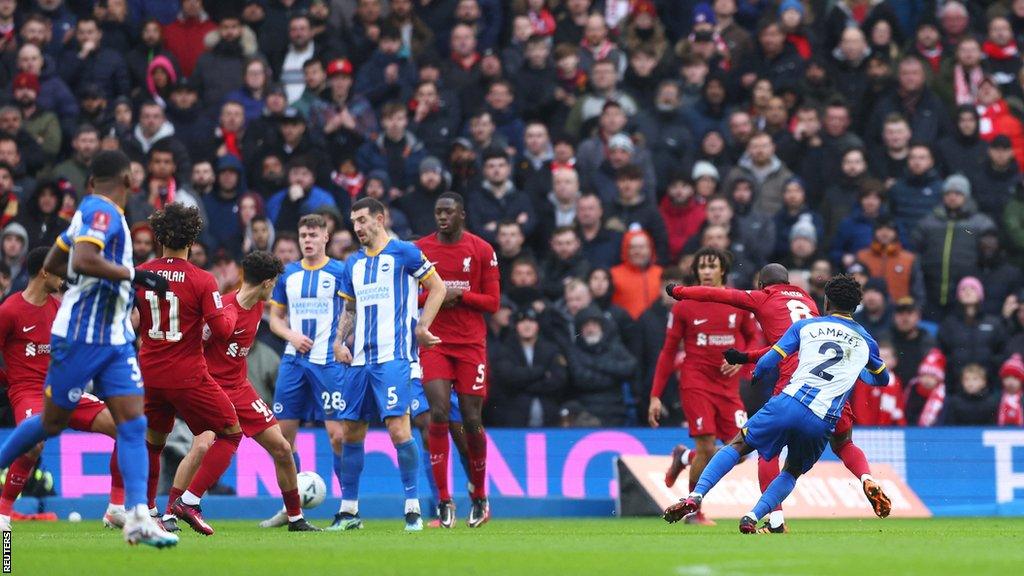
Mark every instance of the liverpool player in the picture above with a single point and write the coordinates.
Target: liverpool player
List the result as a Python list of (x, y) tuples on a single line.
[(776, 305), (25, 321), (226, 360), (306, 308), (708, 387), (469, 267), (171, 357), (93, 342)]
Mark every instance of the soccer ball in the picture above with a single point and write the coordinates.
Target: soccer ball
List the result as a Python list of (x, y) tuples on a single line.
[(312, 489)]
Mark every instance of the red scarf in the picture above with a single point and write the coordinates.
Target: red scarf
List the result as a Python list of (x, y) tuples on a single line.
[(933, 55), (933, 406), (601, 51), (351, 183), (997, 52), (165, 199), (543, 22), (965, 84), (1010, 413), (461, 64), (801, 43), (231, 142)]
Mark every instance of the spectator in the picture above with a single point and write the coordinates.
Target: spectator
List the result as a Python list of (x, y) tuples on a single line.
[(997, 119), (396, 150), (946, 241), (916, 195), (631, 208), (599, 368), (738, 212), (389, 74), (601, 245), (599, 281), (996, 177), (221, 69), (898, 267), (666, 133), (221, 204), (889, 163), (794, 209), (1012, 221), (41, 215), (184, 37), (803, 247), (88, 61), (42, 125), (54, 94), (874, 314), (911, 342), (496, 199), (417, 36), (300, 198), (14, 245), (636, 281), (913, 100), (558, 207), (968, 335), (974, 405), (1002, 56), (434, 121), (855, 232), (286, 248), (682, 213), (511, 247), (603, 89), (565, 263), (143, 242), (314, 74), (150, 45), (1011, 375), (961, 151), (926, 395), (191, 123), (769, 175), (85, 144), (880, 406), (1000, 277), (529, 375), (962, 74), (418, 204), (153, 127), (10, 154)]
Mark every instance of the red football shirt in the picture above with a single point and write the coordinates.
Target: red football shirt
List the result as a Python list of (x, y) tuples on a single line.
[(706, 331), (226, 355), (171, 325), (471, 266), (25, 340), (775, 307), (878, 405)]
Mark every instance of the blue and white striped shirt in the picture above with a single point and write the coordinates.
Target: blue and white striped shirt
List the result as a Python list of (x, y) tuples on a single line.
[(312, 296)]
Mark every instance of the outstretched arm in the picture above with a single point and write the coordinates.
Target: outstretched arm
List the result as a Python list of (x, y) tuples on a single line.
[(748, 300)]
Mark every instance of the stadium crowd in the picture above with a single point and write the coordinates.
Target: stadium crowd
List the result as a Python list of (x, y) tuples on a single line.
[(597, 143)]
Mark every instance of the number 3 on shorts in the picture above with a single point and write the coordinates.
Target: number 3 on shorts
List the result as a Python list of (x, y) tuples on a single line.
[(133, 363)]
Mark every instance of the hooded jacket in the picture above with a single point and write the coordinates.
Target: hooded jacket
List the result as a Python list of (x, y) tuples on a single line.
[(963, 153), (767, 192), (19, 273), (483, 208), (947, 244), (682, 221), (900, 268), (374, 156), (912, 197), (599, 371), (636, 288), (41, 229), (219, 71)]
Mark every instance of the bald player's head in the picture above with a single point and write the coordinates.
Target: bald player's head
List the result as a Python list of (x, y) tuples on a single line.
[(773, 274)]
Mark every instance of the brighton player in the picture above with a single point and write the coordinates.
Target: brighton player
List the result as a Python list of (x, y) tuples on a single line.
[(776, 306), (93, 342), (226, 360), (306, 308), (178, 383), (708, 386), (469, 267), (25, 321), (834, 352), (381, 286)]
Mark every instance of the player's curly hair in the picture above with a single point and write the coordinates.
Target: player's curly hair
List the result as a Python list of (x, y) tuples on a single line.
[(843, 293), (260, 266), (723, 256), (176, 226)]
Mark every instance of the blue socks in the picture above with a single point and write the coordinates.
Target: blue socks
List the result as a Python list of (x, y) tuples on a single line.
[(29, 433), (408, 465), (773, 496), (295, 457), (348, 467), (133, 459), (720, 465)]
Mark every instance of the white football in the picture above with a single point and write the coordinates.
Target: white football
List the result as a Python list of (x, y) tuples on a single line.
[(312, 489)]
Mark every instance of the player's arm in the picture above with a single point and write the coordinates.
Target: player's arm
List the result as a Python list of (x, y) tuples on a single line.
[(874, 373), (788, 344), (345, 325), (88, 260), (279, 326), (488, 298), (56, 262), (435, 297), (663, 369), (748, 300)]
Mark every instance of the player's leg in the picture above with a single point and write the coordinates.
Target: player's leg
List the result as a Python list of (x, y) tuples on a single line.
[(438, 373), (471, 385), (38, 427), (857, 463), (723, 461), (702, 419), (419, 413), (273, 441), (326, 387), (186, 471), (17, 476), (357, 406), (93, 415), (391, 388), (457, 431), (768, 468), (293, 400)]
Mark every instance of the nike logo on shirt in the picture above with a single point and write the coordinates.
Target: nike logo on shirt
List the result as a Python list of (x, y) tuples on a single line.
[(28, 328), (237, 332), (699, 322)]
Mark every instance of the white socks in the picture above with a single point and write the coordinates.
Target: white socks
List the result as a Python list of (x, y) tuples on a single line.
[(189, 498), (349, 507), (294, 518), (776, 519), (412, 505), (684, 458), (864, 478), (115, 508)]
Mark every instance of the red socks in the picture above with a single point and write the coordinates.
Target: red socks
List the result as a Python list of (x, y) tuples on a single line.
[(172, 495), (292, 504), (17, 475), (476, 440), (438, 444), (854, 459), (767, 470), (116, 481), (154, 473), (216, 461)]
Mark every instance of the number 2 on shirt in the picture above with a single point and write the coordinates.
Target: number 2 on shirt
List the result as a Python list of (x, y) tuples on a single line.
[(173, 332)]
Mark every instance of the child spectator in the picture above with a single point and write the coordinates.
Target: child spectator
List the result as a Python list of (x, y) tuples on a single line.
[(927, 393), (880, 406), (974, 405), (1012, 375)]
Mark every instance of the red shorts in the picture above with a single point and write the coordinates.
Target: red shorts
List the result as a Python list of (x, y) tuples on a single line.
[(463, 364), (719, 415), (253, 413), (203, 407), (89, 407), (845, 423)]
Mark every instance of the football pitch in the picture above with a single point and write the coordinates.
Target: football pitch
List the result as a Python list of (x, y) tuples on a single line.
[(539, 547)]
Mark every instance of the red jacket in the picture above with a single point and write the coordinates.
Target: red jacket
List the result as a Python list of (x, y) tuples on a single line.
[(878, 405), (998, 120), (682, 222), (184, 39)]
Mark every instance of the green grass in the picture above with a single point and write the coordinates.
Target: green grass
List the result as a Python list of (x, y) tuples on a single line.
[(540, 547)]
